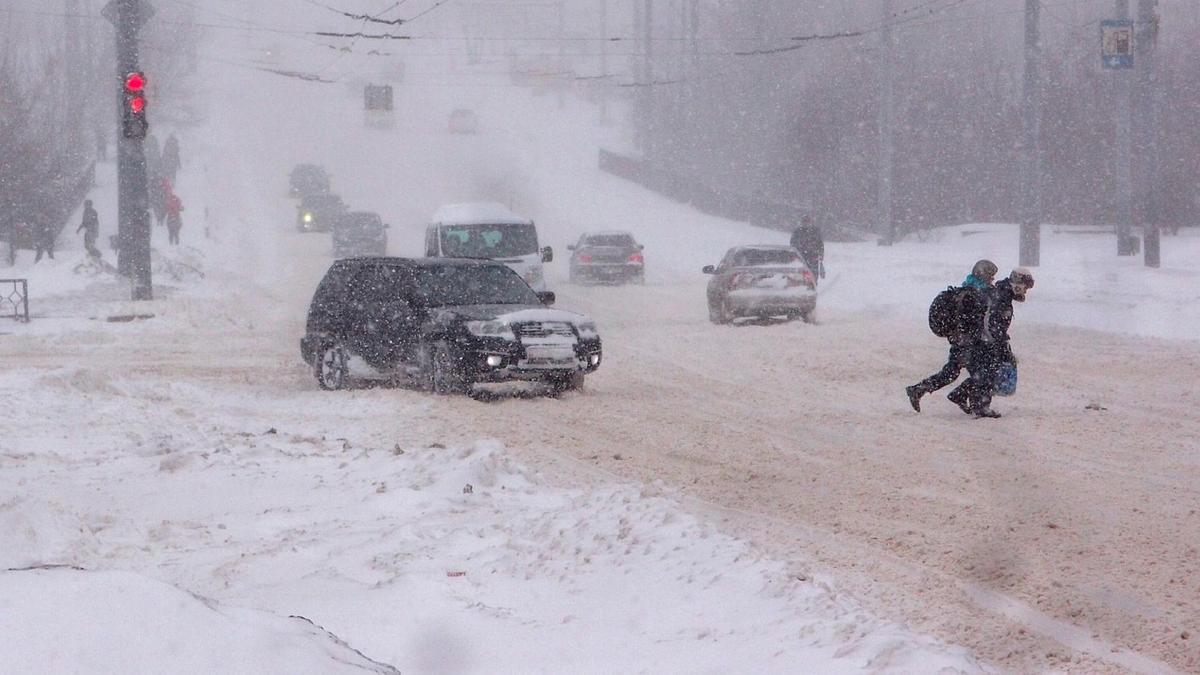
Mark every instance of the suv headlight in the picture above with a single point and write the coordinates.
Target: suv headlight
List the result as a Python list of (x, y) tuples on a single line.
[(587, 329), (498, 329)]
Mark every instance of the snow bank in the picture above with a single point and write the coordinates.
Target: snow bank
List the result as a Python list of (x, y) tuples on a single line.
[(69, 620)]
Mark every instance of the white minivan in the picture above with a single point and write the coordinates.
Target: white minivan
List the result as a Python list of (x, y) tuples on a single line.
[(491, 231)]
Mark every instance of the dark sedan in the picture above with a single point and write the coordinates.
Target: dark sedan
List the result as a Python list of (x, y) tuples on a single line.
[(608, 257)]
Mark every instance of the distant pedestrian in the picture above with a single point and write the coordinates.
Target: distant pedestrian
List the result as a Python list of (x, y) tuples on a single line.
[(962, 313), (808, 240), (43, 239), (101, 145), (170, 158), (90, 228), (160, 191), (174, 218)]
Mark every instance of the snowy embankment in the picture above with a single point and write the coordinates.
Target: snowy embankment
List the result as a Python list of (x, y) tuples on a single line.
[(67, 620)]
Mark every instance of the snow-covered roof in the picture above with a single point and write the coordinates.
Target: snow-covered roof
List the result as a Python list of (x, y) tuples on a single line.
[(490, 213)]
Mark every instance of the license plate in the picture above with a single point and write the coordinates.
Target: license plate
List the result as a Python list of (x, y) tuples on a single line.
[(549, 356)]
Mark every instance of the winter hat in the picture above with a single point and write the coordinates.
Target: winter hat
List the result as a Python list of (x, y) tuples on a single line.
[(984, 270), (1022, 280)]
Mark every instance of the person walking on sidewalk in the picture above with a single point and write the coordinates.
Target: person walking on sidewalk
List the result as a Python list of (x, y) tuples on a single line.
[(170, 158), (174, 217), (90, 228), (968, 308), (43, 239)]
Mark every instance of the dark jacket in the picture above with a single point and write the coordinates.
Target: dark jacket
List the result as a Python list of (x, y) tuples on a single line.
[(808, 241), (1000, 316), (91, 224), (972, 312)]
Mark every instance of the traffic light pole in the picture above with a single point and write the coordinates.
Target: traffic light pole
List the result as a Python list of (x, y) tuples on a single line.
[(1031, 147), (133, 199)]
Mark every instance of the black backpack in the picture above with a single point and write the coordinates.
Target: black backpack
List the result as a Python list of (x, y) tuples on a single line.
[(945, 312)]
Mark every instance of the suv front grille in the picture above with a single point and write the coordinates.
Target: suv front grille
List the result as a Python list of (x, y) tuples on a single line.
[(544, 330)]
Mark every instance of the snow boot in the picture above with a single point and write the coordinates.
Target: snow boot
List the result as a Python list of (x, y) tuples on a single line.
[(986, 412), (959, 398), (914, 396)]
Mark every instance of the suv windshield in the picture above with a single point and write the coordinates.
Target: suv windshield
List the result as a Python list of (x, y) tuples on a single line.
[(755, 257), (489, 285), (488, 241), (621, 240)]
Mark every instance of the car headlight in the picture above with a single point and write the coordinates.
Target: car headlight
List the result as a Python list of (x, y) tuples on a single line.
[(587, 329), (308, 217), (498, 329)]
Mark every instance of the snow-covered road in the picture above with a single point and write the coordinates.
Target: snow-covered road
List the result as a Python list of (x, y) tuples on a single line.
[(196, 449)]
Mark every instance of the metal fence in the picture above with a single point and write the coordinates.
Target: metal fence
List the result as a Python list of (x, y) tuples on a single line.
[(14, 294)]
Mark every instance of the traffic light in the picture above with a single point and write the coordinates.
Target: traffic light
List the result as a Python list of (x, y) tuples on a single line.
[(133, 121)]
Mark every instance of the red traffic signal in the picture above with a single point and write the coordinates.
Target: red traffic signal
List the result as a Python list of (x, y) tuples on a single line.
[(134, 124), (135, 83)]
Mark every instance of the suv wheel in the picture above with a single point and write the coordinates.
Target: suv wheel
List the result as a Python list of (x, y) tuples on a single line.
[(446, 373), (332, 367)]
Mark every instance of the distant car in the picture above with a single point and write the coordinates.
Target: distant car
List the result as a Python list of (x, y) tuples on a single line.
[(443, 324), (359, 233), (607, 257), (463, 121), (318, 213), (308, 179), (761, 281)]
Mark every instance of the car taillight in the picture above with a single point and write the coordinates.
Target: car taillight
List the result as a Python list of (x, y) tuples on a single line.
[(585, 258), (809, 278), (636, 257), (740, 280)]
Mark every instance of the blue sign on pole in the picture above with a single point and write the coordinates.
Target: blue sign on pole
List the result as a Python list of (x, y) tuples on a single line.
[(1116, 44)]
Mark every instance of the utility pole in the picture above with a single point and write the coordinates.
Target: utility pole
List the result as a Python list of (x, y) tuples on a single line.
[(650, 128), (1124, 154), (133, 200), (1146, 126), (1031, 148), (887, 115), (562, 55), (604, 83)]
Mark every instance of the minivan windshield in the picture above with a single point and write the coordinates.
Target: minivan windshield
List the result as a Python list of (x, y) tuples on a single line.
[(484, 285), (489, 241)]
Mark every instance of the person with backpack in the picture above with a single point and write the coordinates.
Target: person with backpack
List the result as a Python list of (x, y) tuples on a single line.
[(957, 314), (993, 350)]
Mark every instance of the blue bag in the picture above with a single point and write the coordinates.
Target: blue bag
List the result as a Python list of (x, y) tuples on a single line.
[(1006, 379)]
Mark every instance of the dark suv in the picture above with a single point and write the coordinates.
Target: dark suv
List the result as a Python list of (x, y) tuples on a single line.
[(444, 324), (308, 179), (359, 233)]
